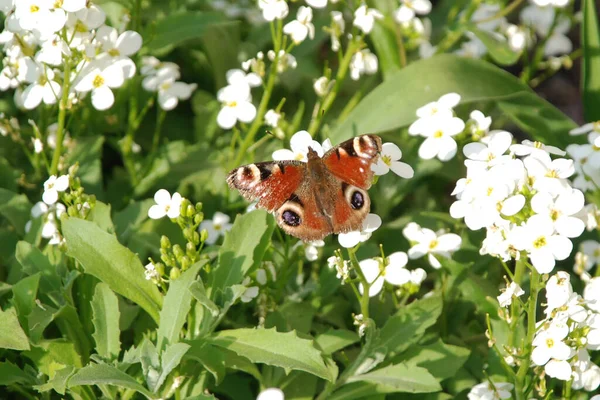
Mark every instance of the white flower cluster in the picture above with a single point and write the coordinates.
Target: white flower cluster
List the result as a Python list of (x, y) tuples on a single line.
[(49, 43), (438, 124), (536, 18), (570, 329), (522, 197), (236, 98), (490, 390), (50, 209), (586, 157), (162, 77)]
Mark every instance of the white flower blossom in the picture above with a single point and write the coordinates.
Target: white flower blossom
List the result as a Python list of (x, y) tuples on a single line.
[(392, 272), (364, 18), (165, 205), (512, 290), (216, 227), (54, 185), (426, 242), (363, 62), (302, 26), (389, 159), (410, 8), (350, 239)]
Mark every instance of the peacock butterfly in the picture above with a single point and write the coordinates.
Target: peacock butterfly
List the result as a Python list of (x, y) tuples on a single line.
[(316, 198)]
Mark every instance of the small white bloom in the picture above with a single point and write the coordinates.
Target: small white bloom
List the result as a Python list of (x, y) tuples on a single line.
[(410, 8), (299, 144), (512, 290), (272, 118), (591, 294), (351, 239), (285, 60), (302, 26), (273, 9), (491, 151), (392, 272), (439, 140), (170, 93), (338, 26), (237, 106), (271, 394), (216, 227), (318, 3), (426, 242), (517, 37), (489, 391), (586, 129), (100, 81), (52, 51), (311, 249), (560, 211), (322, 86), (479, 123), (150, 272), (558, 290), (527, 147), (249, 294), (442, 107), (42, 86), (389, 159), (165, 205), (363, 62), (364, 18), (548, 344), (54, 185), (38, 146)]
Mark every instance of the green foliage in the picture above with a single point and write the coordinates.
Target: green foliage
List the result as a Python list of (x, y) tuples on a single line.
[(590, 35)]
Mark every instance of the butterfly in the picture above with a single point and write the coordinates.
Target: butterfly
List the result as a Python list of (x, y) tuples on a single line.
[(316, 198)]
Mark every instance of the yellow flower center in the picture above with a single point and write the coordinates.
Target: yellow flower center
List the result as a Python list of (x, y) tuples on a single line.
[(438, 134), (232, 104), (552, 173), (490, 190), (98, 81), (550, 342), (34, 9), (114, 52), (554, 214), (596, 126), (538, 145), (433, 244), (58, 3), (217, 227), (539, 242), (81, 27), (387, 160)]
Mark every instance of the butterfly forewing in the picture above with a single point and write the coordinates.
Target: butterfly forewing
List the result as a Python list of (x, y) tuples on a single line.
[(351, 160)]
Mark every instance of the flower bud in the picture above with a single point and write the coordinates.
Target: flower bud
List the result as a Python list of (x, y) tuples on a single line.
[(198, 207), (72, 211), (185, 262), (165, 243), (190, 211), (203, 235), (175, 273), (178, 251), (190, 249), (160, 268), (187, 233), (198, 218)]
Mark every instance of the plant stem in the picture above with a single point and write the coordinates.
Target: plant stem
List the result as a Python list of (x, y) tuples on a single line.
[(364, 300), (503, 12), (520, 382), (62, 114), (160, 119), (315, 123)]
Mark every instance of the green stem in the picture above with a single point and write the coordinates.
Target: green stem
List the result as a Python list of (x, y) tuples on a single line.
[(520, 381), (364, 299), (503, 12), (515, 307), (316, 122), (160, 119), (62, 114)]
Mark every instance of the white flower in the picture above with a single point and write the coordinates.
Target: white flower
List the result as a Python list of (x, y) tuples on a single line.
[(238, 77), (558, 290), (389, 159), (54, 185), (543, 245), (52, 50), (586, 374), (442, 107), (586, 128), (364, 18), (426, 242), (318, 3), (491, 151), (284, 60), (40, 17), (42, 85), (302, 26), (169, 93), (393, 272), (237, 106), (311, 249), (216, 227), (517, 37), (271, 394), (439, 143), (273, 9), (322, 86), (486, 12), (299, 144), (119, 47), (512, 290), (472, 48), (553, 3), (560, 211), (150, 272), (272, 118), (38, 146), (100, 81), (489, 391), (409, 8), (591, 249), (363, 62), (165, 205), (549, 175), (338, 26), (551, 351), (417, 276), (528, 147), (591, 294), (479, 123), (155, 77), (351, 239), (250, 292)]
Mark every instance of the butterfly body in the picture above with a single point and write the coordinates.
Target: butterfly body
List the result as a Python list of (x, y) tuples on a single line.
[(314, 199)]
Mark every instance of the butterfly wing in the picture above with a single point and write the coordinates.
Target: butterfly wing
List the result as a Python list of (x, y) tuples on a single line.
[(350, 161), (272, 183)]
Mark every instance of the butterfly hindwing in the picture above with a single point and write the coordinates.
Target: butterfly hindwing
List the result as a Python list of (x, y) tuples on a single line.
[(351, 160), (272, 183)]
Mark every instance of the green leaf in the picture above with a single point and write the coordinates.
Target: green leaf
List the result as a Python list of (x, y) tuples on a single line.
[(100, 214), (15, 208), (105, 307), (10, 374), (199, 293), (497, 46), (103, 374), (384, 40), (131, 217), (242, 250), (440, 359), (336, 339), (285, 350), (11, 333), (177, 28), (426, 80), (217, 359), (24, 295), (408, 325), (50, 356), (590, 66), (170, 359), (222, 58), (58, 382), (176, 306), (105, 258), (34, 261), (400, 378), (150, 360)]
